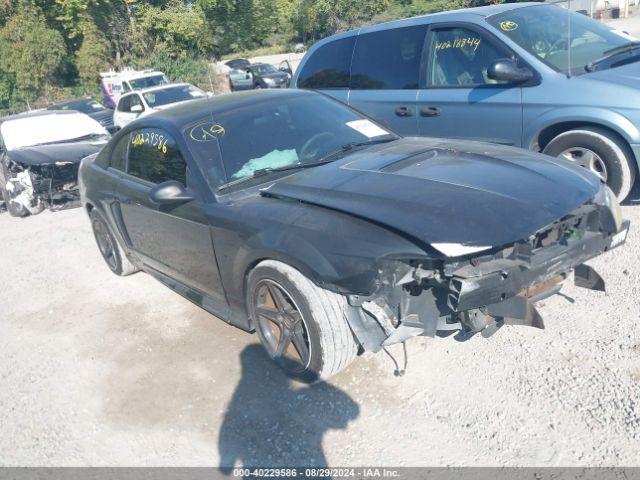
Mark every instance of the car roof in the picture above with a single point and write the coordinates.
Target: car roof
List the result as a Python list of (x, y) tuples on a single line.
[(37, 113), (185, 113), (157, 87)]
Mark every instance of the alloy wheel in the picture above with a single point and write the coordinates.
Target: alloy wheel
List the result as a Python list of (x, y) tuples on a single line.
[(282, 326), (586, 158)]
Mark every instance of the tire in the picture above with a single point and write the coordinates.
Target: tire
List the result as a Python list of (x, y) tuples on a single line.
[(613, 151), (323, 315), (115, 257)]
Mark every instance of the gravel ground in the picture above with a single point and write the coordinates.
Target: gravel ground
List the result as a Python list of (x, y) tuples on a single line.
[(101, 370)]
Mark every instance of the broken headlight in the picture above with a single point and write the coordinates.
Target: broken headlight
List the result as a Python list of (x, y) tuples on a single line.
[(607, 198)]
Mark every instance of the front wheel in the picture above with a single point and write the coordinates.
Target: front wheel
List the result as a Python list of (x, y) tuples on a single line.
[(599, 151), (303, 327)]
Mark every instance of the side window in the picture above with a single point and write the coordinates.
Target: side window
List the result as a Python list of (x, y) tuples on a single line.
[(155, 157), (125, 87), (461, 57), (389, 59), (329, 66), (136, 103), (119, 154), (124, 105)]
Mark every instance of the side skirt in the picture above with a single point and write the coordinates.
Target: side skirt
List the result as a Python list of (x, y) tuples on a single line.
[(202, 300)]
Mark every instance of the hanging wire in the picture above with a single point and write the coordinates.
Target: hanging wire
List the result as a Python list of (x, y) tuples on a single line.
[(397, 371)]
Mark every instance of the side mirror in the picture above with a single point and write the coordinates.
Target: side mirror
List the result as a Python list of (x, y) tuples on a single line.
[(136, 109), (170, 192), (507, 71)]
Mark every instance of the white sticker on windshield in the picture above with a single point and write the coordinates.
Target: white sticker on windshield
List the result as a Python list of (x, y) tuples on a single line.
[(367, 128)]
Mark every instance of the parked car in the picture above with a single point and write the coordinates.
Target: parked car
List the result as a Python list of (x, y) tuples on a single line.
[(239, 78), (288, 213), (91, 107), (300, 48), (115, 84), (39, 157), (530, 75), (143, 102), (268, 76)]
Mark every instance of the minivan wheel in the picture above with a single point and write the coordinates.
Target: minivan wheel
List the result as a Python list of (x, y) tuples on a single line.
[(302, 327), (601, 152), (110, 249)]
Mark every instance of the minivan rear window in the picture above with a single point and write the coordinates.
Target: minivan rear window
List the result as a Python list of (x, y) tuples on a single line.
[(328, 66), (388, 59)]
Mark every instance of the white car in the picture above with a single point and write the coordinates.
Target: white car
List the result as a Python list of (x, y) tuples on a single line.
[(143, 102), (115, 84)]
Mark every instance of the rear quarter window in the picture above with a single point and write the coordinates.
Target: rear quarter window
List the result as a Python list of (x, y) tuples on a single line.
[(329, 66)]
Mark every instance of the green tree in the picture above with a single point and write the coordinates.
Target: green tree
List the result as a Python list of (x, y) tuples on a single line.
[(30, 54), (177, 30), (94, 55), (319, 18)]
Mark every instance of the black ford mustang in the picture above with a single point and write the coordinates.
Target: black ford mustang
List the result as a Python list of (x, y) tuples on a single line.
[(287, 213)]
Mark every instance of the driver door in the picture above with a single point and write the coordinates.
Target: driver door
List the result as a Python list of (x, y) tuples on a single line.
[(459, 100), (173, 239)]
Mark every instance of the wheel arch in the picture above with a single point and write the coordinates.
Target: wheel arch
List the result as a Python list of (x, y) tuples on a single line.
[(544, 128), (546, 135)]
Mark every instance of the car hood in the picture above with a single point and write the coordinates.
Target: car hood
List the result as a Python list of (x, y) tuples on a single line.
[(56, 153), (104, 117), (457, 197), (626, 75)]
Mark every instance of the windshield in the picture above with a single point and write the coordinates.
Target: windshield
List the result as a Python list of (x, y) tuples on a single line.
[(263, 69), (166, 96), (54, 128), (276, 133), (549, 32), (83, 106), (146, 82)]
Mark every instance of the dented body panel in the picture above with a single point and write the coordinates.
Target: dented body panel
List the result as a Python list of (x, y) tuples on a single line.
[(420, 235)]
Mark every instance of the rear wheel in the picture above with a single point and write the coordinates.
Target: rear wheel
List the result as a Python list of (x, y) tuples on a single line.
[(599, 151), (303, 327), (110, 249)]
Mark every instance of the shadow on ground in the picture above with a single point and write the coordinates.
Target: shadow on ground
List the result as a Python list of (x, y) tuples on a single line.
[(276, 422), (182, 377)]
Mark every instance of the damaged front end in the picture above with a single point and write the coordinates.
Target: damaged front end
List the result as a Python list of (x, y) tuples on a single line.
[(481, 292), (33, 188)]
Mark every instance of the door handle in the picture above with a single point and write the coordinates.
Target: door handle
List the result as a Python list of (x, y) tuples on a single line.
[(430, 112), (404, 112)]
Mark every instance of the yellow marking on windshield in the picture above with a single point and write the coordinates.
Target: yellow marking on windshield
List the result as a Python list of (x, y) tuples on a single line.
[(206, 132), (508, 25)]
